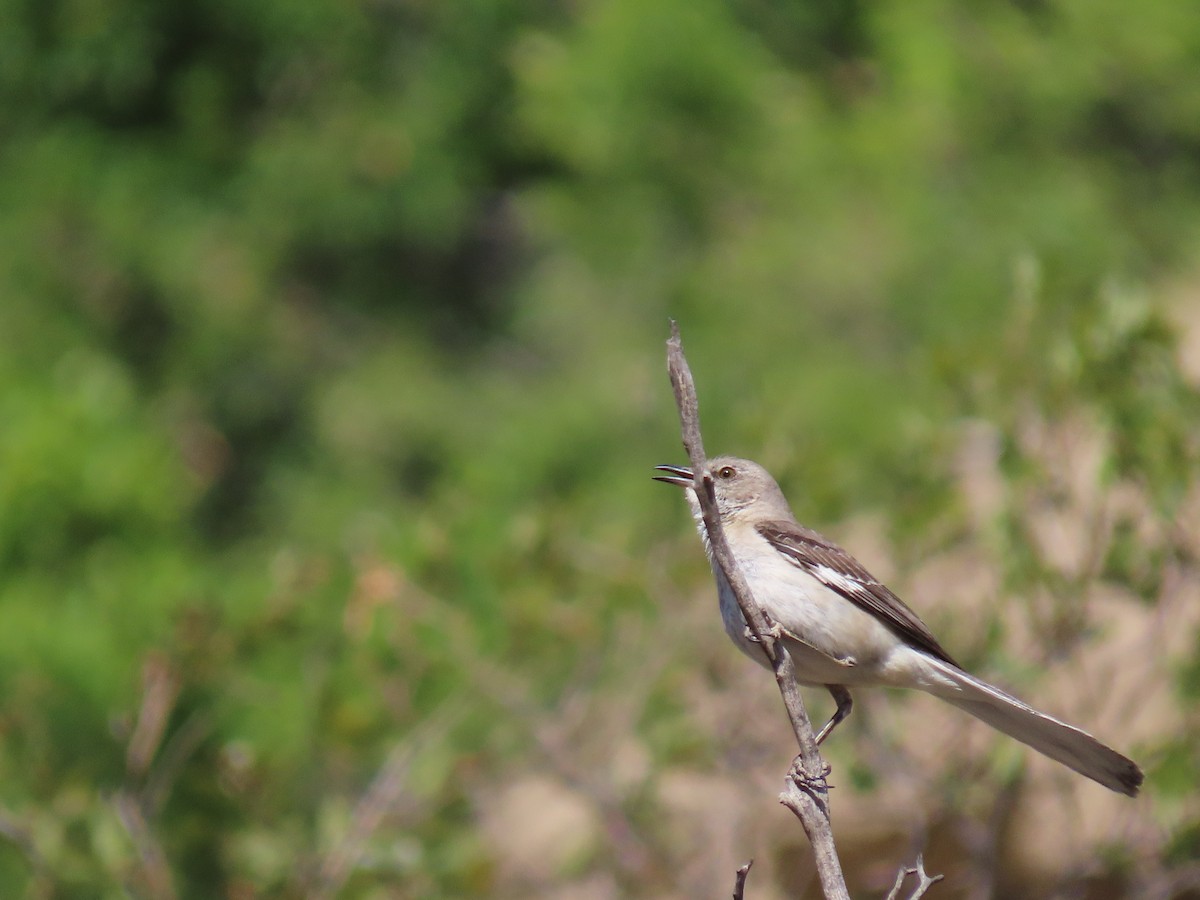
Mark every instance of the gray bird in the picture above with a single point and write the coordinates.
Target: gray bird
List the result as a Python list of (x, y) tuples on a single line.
[(843, 628)]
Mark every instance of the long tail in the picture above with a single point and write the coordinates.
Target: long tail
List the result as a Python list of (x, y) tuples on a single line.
[(1061, 742)]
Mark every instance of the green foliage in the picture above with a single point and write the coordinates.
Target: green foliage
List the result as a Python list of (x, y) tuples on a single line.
[(331, 370)]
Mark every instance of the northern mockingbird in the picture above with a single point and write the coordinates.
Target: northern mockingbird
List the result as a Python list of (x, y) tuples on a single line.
[(843, 628)]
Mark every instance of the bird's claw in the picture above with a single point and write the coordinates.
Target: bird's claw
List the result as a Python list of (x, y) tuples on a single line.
[(774, 630), (805, 780)]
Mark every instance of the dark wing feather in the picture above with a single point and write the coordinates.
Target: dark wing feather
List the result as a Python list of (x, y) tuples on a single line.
[(838, 570)]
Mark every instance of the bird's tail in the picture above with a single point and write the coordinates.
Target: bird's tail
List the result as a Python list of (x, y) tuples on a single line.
[(1064, 743)]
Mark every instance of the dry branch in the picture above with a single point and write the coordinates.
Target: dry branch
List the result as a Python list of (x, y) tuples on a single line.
[(924, 881), (739, 884), (160, 689), (382, 794), (153, 871), (806, 793)]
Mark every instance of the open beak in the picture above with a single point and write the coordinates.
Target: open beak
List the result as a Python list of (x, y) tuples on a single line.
[(680, 476)]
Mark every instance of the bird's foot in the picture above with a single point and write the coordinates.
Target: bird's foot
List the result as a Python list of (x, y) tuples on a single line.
[(804, 778), (774, 630)]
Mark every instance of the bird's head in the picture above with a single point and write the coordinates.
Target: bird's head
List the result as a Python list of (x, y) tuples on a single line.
[(743, 489)]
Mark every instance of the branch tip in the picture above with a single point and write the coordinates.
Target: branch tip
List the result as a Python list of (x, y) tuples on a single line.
[(739, 884)]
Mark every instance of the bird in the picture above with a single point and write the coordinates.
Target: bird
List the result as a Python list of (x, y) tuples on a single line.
[(844, 629)]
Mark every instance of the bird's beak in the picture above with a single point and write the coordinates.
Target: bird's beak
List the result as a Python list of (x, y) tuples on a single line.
[(678, 475)]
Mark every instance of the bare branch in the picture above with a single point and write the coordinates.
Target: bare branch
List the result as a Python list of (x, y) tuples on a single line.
[(806, 792), (385, 789), (171, 759), (739, 884), (159, 690), (380, 800), (808, 798), (924, 881), (153, 869)]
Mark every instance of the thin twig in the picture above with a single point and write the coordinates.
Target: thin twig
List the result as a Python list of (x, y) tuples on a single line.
[(894, 893), (160, 687), (924, 881), (379, 798), (806, 793), (378, 801), (739, 883), (176, 751), (160, 690), (153, 867)]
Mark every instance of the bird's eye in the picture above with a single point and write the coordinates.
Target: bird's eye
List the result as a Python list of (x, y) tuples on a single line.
[(725, 472)]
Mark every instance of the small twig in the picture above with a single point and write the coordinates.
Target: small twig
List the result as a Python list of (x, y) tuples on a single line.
[(385, 790), (739, 884), (160, 687), (924, 881), (154, 870), (378, 801), (806, 793), (176, 751)]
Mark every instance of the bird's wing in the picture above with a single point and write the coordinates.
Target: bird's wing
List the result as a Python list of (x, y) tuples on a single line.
[(841, 572)]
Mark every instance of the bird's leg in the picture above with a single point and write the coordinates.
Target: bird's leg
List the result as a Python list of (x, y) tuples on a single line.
[(844, 702)]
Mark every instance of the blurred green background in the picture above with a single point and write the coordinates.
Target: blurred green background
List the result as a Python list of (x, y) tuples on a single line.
[(332, 374)]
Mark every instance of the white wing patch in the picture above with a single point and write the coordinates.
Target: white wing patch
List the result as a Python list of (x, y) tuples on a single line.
[(840, 581), (840, 572)]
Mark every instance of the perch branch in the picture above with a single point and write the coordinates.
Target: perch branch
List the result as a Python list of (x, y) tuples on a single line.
[(806, 793)]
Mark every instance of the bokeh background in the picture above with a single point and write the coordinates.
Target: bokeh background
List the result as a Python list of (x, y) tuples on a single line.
[(332, 374)]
